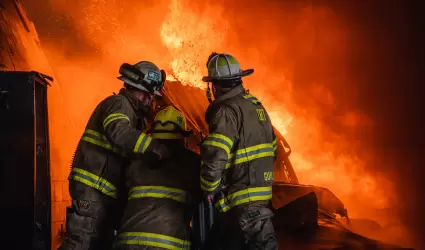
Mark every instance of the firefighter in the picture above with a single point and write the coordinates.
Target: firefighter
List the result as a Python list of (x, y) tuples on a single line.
[(237, 159), (112, 138), (161, 200)]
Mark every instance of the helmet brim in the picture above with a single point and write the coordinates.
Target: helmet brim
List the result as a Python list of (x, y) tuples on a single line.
[(137, 86), (157, 93), (232, 77)]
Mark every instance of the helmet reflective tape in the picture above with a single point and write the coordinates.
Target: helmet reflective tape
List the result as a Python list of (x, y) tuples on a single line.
[(223, 61), (154, 76), (223, 65), (165, 136)]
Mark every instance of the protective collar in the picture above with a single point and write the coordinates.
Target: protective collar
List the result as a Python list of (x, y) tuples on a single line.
[(229, 94)]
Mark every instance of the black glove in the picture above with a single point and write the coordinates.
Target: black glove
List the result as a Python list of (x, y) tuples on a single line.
[(161, 151), (158, 153)]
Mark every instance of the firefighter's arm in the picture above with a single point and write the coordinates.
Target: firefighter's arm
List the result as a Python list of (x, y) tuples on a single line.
[(217, 146), (120, 132)]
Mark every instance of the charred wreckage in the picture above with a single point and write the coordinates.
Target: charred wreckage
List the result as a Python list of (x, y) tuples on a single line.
[(305, 216)]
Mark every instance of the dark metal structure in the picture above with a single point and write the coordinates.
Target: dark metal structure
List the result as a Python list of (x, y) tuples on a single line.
[(305, 215), (24, 161)]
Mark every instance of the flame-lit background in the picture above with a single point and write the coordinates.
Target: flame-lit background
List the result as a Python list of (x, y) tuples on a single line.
[(319, 69)]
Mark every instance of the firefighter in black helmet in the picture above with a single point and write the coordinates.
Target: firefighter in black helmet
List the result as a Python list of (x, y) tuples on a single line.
[(237, 160), (113, 137), (162, 200)]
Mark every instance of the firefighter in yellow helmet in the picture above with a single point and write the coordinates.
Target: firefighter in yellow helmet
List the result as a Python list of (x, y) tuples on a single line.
[(237, 160), (112, 138), (162, 200)]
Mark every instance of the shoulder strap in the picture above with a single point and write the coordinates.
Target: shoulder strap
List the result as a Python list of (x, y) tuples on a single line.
[(251, 98)]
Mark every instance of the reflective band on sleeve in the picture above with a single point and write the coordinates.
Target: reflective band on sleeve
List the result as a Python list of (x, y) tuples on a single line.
[(93, 181), (153, 240), (113, 117), (209, 186), (251, 153), (160, 192), (244, 196), (251, 98), (100, 140), (142, 143), (274, 145), (219, 140)]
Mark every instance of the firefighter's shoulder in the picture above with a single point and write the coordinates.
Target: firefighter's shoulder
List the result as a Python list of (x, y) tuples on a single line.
[(114, 98), (115, 102)]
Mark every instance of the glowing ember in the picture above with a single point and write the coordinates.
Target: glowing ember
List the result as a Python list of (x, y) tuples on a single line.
[(190, 38), (318, 158), (179, 37)]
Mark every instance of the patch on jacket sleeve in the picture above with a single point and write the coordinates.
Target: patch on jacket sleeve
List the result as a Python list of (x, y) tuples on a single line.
[(254, 214), (84, 204)]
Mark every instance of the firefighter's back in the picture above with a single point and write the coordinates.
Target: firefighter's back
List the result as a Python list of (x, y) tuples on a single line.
[(238, 157), (161, 201), (95, 153), (250, 167)]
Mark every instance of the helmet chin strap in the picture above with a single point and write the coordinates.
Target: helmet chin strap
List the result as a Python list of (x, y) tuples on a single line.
[(208, 93)]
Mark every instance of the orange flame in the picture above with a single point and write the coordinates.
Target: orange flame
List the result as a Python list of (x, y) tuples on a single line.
[(191, 36), (179, 36), (182, 40)]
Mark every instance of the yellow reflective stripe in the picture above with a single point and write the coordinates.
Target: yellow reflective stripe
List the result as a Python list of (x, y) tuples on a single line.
[(100, 140), (113, 117), (220, 141), (251, 98), (228, 141), (209, 186), (274, 144), (218, 145), (153, 240), (93, 181), (244, 196), (157, 192), (96, 142), (94, 133), (142, 143), (251, 153)]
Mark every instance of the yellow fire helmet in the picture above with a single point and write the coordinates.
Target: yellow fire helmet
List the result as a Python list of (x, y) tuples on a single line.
[(169, 123)]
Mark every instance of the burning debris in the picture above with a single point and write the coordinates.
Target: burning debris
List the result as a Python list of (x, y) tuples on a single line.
[(324, 160)]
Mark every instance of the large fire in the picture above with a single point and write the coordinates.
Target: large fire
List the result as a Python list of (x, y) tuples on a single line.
[(179, 36), (320, 157), (181, 42)]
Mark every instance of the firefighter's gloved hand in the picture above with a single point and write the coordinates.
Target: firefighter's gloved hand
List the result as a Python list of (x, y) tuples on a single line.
[(156, 155), (161, 151)]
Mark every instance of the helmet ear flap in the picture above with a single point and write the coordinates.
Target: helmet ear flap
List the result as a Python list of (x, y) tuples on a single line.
[(210, 57)]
